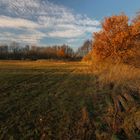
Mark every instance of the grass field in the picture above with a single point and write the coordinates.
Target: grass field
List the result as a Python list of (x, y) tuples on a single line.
[(51, 100), (41, 98)]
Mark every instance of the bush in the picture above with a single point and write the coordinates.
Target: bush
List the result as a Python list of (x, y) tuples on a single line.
[(118, 41)]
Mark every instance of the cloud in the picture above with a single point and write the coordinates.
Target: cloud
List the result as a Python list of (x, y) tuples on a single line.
[(66, 33), (8, 22), (40, 19), (27, 37)]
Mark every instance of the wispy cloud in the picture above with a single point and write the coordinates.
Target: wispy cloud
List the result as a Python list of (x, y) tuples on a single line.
[(40, 19), (9, 22), (68, 33), (27, 37)]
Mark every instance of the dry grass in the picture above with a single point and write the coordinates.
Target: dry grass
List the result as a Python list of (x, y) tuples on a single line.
[(58, 100), (123, 84), (43, 100), (119, 74)]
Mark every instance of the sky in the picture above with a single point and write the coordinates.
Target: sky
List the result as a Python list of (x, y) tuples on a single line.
[(50, 22)]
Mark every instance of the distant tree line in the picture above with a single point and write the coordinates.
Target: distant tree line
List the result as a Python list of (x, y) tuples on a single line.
[(16, 52)]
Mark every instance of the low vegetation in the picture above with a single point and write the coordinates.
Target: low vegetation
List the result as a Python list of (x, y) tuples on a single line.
[(44, 99), (115, 61)]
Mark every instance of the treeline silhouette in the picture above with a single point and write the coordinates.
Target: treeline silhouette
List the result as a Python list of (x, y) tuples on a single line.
[(16, 52)]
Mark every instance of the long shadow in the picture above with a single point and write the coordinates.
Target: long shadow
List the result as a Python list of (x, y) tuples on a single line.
[(55, 93)]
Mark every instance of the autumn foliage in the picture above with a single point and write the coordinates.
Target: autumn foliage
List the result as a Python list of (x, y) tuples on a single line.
[(118, 40), (61, 52)]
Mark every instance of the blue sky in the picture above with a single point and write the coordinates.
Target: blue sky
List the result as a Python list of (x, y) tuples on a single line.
[(49, 22), (100, 8)]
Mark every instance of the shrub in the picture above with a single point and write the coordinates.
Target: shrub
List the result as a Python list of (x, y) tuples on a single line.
[(118, 40)]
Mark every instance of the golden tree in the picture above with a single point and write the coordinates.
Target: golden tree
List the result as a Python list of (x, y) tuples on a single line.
[(116, 40), (61, 52)]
